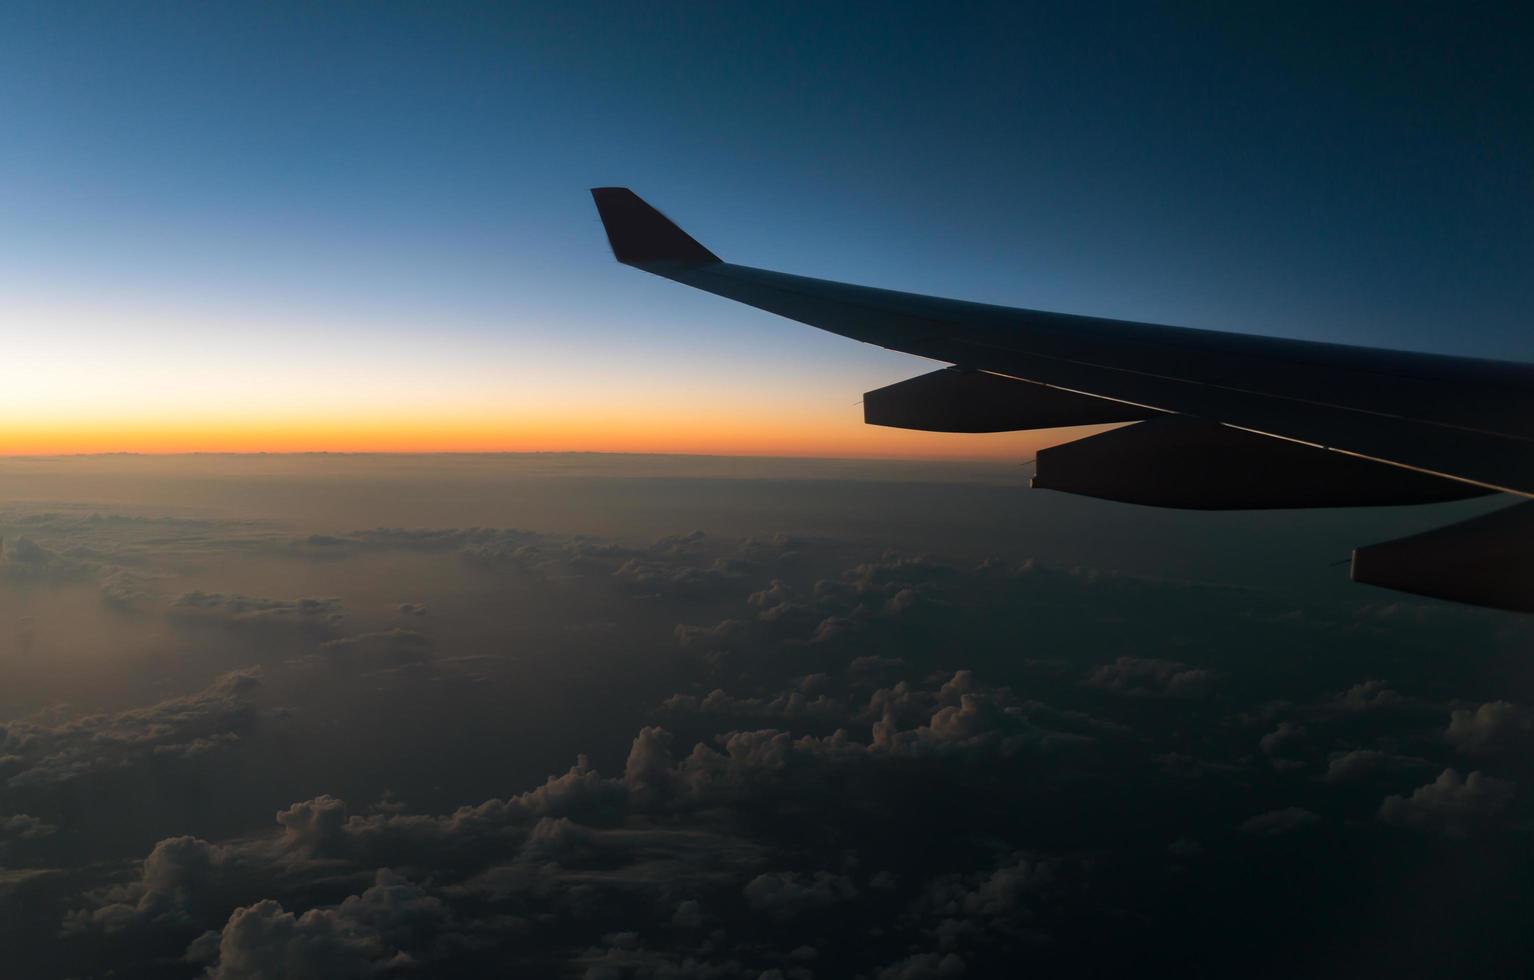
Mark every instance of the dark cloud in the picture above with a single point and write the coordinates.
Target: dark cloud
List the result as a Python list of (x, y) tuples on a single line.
[(784, 895), (790, 706), (924, 966), (400, 646), (1489, 727), (845, 761), (23, 827), (1371, 695), (1142, 677), (127, 556), (47, 750), (242, 610), (1286, 735), (1452, 805), (1361, 764), (1278, 822), (25, 558), (361, 937)]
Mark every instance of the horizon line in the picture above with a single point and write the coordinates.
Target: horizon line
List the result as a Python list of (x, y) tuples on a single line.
[(513, 452)]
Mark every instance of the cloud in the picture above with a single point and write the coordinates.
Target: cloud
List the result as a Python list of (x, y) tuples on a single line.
[(678, 579), (784, 895), (399, 646), (235, 609), (924, 966), (688, 914), (580, 845), (1371, 695), (476, 542), (1276, 823), (1015, 900), (719, 636), (1451, 805), (24, 827), (20, 834), (25, 558), (365, 935), (615, 962), (1361, 764), (126, 555), (40, 752), (889, 762), (790, 706), (1142, 677), (1185, 848), (1493, 725), (1285, 737)]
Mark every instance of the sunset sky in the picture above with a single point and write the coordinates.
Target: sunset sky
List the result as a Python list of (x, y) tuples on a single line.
[(393, 584), (330, 227)]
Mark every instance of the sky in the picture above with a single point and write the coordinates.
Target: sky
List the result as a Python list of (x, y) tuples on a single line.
[(696, 677), (614, 717), (366, 227)]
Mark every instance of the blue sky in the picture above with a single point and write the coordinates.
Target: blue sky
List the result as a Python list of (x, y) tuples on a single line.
[(397, 191)]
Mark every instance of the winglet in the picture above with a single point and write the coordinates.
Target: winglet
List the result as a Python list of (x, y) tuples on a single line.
[(638, 233)]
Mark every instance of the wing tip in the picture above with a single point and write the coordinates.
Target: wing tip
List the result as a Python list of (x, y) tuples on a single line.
[(639, 234)]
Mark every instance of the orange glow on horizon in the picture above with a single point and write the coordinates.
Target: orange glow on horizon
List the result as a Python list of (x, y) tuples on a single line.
[(657, 433), (106, 380)]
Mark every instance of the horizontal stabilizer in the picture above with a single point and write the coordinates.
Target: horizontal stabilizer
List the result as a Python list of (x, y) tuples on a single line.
[(1484, 561), (955, 400), (1181, 461), (639, 234)]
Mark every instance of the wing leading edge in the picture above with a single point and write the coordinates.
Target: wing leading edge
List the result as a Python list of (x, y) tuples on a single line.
[(1417, 427)]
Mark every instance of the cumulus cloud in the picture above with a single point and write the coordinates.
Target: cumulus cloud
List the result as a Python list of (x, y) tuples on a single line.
[(784, 895), (961, 914), (1371, 695), (1283, 739), (480, 542), (235, 608), (844, 705), (688, 914), (1276, 823), (366, 935), (46, 751), (1185, 848), (924, 966), (126, 555), (1143, 677), (678, 578), (718, 636), (1360, 764), (792, 705), (398, 646), (583, 841), (24, 827), (1493, 725), (1452, 805), (24, 558)]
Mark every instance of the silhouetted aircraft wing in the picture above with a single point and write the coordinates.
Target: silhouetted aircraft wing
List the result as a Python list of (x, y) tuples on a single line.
[(1223, 420)]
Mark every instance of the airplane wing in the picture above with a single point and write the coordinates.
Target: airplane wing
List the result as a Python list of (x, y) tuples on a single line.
[(1221, 420)]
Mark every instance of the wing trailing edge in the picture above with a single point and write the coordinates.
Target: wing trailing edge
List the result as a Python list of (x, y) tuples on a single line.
[(956, 400), (1483, 561), (1194, 464)]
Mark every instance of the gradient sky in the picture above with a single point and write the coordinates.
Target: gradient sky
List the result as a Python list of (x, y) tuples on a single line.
[(350, 227)]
